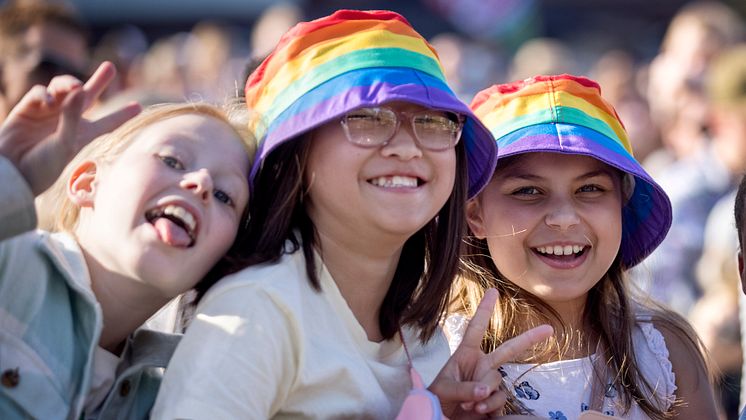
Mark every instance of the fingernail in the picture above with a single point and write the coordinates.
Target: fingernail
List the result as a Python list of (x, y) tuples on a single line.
[(481, 407), (481, 391), (466, 406)]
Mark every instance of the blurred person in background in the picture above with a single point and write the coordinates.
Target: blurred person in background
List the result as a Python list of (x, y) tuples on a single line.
[(713, 176), (38, 41), (122, 46), (676, 77), (161, 69), (716, 314), (618, 75), (542, 56), (450, 47), (271, 25), (708, 158), (468, 65)]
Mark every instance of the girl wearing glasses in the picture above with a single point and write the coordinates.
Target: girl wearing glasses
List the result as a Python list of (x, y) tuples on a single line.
[(365, 162)]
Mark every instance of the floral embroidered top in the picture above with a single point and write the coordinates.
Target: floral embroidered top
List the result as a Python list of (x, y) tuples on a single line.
[(562, 390)]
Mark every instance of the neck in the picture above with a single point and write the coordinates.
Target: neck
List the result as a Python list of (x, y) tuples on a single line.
[(363, 271), (125, 303)]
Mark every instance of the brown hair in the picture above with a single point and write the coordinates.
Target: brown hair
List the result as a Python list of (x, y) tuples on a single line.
[(613, 307), (419, 292)]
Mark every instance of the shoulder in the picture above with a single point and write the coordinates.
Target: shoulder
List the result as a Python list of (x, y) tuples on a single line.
[(283, 283), (285, 275), (694, 393), (39, 261), (263, 300), (16, 202), (683, 351)]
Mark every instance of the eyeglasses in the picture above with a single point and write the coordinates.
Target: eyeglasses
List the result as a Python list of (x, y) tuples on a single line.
[(376, 126)]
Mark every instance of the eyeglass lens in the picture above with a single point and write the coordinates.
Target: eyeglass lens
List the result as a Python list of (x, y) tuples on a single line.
[(434, 130)]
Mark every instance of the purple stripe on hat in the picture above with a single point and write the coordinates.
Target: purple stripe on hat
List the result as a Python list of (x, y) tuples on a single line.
[(302, 117), (357, 97), (570, 144), (646, 215)]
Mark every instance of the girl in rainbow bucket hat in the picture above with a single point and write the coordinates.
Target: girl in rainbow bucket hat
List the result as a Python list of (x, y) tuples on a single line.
[(365, 161), (566, 213)]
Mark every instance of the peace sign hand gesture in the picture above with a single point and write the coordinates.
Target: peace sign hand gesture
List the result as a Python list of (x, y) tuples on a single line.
[(468, 386), (46, 129)]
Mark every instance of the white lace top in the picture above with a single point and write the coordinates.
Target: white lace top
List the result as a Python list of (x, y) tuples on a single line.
[(561, 390)]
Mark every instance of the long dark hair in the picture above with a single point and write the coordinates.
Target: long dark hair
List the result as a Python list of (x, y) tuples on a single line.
[(279, 224)]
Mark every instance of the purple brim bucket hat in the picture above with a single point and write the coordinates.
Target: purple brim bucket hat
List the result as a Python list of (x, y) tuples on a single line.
[(566, 114), (322, 69)]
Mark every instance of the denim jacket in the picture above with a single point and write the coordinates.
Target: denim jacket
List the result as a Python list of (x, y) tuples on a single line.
[(50, 324)]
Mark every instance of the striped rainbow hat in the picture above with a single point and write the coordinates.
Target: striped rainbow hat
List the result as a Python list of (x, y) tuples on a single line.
[(322, 69), (566, 114)]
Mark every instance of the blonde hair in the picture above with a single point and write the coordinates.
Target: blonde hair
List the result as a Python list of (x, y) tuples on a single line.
[(108, 147)]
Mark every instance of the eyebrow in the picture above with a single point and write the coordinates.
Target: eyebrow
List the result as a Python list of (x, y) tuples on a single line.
[(533, 177)]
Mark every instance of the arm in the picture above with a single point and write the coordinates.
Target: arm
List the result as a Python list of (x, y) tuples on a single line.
[(693, 387), (17, 213), (238, 359)]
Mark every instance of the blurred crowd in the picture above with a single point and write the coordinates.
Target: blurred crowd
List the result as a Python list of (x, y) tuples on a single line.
[(685, 110)]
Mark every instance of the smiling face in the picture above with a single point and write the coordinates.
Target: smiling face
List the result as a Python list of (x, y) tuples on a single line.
[(165, 210), (366, 193), (552, 223)]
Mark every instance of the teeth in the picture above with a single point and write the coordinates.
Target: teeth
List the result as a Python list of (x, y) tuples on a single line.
[(395, 181), (560, 250), (181, 213)]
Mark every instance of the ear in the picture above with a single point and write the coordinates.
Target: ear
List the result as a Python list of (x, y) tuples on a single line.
[(81, 187), (474, 218)]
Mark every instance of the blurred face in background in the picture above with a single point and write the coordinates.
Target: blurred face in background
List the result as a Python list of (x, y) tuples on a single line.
[(42, 52)]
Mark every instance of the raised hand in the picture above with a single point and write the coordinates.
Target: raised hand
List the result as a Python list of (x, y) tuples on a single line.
[(469, 383), (45, 130)]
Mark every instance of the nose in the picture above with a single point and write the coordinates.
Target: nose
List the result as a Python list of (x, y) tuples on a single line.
[(403, 145), (562, 216), (199, 182)]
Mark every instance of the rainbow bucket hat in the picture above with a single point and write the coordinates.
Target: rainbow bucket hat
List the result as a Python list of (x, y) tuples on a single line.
[(322, 69), (566, 114)]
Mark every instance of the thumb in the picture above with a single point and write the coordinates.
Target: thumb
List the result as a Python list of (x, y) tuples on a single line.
[(67, 130)]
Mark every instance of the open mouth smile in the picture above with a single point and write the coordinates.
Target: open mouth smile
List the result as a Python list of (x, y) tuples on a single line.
[(396, 181), (176, 225), (562, 256)]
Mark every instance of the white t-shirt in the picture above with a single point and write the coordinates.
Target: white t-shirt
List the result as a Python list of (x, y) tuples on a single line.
[(264, 344)]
